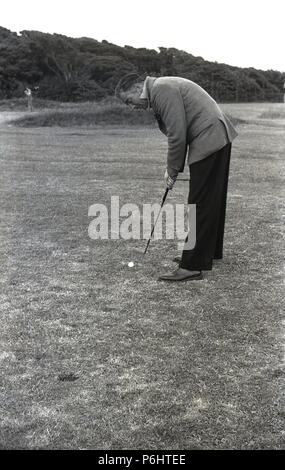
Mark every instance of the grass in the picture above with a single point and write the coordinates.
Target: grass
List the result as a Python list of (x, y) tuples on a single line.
[(274, 113), (255, 112), (88, 114), (20, 104), (95, 355), (107, 115)]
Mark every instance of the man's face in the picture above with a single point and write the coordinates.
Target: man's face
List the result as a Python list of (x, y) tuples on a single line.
[(132, 96), (137, 102)]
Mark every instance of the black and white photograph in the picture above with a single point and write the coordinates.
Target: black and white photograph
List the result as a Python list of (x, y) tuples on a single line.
[(142, 209)]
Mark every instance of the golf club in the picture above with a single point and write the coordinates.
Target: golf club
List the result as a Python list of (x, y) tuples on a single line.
[(161, 205)]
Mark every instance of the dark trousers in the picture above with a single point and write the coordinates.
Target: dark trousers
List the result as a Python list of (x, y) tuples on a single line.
[(208, 190)]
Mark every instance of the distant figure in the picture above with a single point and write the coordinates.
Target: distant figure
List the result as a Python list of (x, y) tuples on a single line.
[(28, 93)]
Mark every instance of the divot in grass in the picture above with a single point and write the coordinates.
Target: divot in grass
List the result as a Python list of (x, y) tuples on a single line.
[(71, 377)]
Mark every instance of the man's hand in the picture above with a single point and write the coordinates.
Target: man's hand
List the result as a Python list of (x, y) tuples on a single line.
[(169, 181)]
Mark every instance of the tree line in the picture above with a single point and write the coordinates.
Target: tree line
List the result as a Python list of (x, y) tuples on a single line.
[(58, 67)]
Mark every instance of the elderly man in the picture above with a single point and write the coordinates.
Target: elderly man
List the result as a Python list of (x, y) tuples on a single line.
[(193, 121)]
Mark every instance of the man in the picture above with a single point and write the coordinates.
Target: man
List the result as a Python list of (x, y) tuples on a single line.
[(193, 121), (28, 93)]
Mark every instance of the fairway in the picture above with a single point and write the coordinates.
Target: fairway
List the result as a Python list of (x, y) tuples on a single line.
[(95, 355)]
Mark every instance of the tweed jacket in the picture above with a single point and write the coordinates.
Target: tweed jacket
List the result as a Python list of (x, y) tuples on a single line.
[(189, 117)]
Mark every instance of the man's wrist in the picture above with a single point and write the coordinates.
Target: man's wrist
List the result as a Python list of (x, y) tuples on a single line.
[(172, 173)]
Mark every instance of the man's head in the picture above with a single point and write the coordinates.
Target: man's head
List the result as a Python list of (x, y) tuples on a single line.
[(129, 90)]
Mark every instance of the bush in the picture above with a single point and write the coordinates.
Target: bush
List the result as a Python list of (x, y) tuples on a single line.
[(87, 114), (79, 89)]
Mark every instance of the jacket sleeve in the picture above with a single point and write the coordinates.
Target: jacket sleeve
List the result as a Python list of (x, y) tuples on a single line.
[(168, 103)]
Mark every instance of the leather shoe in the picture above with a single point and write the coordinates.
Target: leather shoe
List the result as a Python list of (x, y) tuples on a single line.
[(182, 275), (178, 260)]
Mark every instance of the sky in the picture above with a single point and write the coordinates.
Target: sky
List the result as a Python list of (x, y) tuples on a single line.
[(245, 33)]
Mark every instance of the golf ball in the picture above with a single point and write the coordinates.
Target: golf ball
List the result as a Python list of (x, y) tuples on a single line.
[(131, 264)]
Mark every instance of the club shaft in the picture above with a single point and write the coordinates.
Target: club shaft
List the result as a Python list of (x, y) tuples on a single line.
[(152, 230)]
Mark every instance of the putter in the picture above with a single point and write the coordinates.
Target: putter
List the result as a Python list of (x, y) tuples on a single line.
[(161, 205)]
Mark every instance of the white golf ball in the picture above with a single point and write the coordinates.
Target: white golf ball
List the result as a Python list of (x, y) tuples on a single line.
[(131, 264)]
